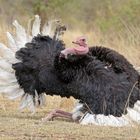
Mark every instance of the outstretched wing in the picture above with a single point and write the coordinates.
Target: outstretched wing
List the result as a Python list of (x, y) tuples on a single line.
[(8, 82)]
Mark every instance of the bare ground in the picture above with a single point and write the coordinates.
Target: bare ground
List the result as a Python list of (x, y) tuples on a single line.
[(16, 125)]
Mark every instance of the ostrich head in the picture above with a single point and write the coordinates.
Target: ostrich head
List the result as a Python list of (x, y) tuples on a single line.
[(80, 41)]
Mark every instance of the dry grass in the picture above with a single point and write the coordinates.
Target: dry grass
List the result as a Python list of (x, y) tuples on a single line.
[(22, 125), (15, 125)]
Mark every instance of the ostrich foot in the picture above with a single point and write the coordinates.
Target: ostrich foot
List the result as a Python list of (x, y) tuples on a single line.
[(57, 113)]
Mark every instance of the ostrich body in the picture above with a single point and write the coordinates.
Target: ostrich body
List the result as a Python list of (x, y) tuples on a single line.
[(106, 84), (89, 78)]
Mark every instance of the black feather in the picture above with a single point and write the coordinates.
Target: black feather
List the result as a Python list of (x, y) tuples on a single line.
[(103, 79)]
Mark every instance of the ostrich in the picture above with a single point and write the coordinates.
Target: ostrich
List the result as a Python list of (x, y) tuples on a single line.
[(104, 82)]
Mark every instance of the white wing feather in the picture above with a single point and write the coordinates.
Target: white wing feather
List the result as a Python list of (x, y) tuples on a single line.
[(47, 29), (8, 82), (36, 26), (11, 42), (21, 37), (7, 54), (5, 65), (27, 101), (132, 116)]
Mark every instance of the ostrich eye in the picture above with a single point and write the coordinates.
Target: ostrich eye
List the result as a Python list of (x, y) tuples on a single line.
[(83, 39)]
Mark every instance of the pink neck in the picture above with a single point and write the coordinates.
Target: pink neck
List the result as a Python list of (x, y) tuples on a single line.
[(85, 45)]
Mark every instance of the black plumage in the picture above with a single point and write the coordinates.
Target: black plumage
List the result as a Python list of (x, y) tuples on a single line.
[(103, 79)]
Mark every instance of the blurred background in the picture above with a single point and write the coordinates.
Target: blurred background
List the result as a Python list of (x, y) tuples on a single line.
[(106, 15), (110, 23)]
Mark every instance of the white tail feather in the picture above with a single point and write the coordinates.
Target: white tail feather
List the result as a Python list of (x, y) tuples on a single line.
[(31, 105), (12, 91), (36, 98), (7, 90), (137, 107), (8, 83), (23, 102), (49, 28), (111, 120), (29, 29), (103, 120), (7, 54), (36, 26), (5, 82), (6, 76), (5, 65), (133, 115), (21, 37), (27, 100), (42, 99), (137, 69), (16, 94), (138, 103), (11, 42)]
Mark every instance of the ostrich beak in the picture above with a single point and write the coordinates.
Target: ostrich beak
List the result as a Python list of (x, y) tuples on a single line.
[(75, 42)]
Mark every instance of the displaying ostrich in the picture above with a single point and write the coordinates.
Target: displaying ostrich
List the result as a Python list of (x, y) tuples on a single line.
[(105, 83)]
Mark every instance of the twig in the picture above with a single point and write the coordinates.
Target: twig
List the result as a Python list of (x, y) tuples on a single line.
[(89, 108), (127, 102)]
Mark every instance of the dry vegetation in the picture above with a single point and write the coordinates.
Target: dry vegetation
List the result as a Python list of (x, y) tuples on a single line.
[(22, 125), (15, 125)]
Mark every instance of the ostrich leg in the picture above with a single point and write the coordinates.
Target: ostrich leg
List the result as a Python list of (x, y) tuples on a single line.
[(57, 113)]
